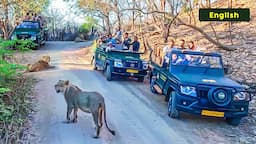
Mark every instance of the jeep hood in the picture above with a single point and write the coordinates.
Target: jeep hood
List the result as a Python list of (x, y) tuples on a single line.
[(195, 79)]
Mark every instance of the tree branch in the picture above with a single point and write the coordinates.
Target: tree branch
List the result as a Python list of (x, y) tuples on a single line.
[(220, 45)]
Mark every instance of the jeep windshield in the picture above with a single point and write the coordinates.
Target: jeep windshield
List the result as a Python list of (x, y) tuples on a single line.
[(28, 25), (193, 60)]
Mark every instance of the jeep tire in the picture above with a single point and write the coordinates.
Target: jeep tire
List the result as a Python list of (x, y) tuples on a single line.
[(108, 73), (152, 82), (94, 64), (172, 111), (233, 121), (166, 98)]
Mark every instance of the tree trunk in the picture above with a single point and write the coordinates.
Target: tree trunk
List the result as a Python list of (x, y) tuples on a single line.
[(168, 28), (108, 23), (133, 15), (5, 21), (119, 20), (118, 14)]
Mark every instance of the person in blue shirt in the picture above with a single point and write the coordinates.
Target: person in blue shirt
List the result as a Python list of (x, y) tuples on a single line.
[(135, 44), (113, 41), (109, 38)]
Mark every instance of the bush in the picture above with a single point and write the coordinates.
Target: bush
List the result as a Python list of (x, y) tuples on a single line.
[(7, 48), (13, 89), (86, 27)]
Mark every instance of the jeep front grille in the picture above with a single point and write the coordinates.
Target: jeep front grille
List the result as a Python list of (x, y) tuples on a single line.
[(203, 91), (208, 95), (23, 36), (131, 64)]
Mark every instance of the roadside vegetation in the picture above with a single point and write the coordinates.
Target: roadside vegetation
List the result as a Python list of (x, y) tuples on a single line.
[(15, 88)]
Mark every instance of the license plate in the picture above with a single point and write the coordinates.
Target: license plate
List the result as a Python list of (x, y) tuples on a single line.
[(132, 71), (212, 113)]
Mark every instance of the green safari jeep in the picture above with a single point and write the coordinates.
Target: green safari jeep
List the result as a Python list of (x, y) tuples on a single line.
[(195, 82), (119, 62), (30, 30)]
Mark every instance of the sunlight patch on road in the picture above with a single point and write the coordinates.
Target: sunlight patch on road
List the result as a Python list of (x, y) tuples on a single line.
[(72, 66)]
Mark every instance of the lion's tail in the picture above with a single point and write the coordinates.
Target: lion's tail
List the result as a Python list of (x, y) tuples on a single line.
[(105, 119)]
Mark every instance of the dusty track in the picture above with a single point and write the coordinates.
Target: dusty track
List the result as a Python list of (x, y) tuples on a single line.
[(137, 116)]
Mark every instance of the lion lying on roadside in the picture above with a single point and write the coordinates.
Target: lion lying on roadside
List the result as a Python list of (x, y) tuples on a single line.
[(42, 64), (89, 102)]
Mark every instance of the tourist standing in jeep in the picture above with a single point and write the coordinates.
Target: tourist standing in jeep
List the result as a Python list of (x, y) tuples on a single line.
[(192, 46), (135, 44), (127, 41), (182, 44), (166, 52), (118, 35)]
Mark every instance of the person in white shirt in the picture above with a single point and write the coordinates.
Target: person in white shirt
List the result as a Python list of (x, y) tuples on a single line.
[(166, 52), (118, 35), (110, 47), (168, 48)]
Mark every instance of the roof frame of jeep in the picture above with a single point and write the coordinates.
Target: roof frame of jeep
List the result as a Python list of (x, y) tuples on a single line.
[(121, 51), (126, 51)]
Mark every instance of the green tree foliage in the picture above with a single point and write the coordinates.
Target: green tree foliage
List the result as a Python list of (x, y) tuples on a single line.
[(89, 23), (12, 11), (9, 70), (86, 27), (98, 8)]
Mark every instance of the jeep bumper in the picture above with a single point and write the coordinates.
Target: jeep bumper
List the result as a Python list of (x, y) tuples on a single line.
[(192, 105), (129, 72)]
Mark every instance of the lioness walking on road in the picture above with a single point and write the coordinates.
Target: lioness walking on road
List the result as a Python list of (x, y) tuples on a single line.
[(89, 102)]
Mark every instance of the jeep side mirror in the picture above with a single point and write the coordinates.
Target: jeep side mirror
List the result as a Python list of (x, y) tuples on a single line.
[(227, 69)]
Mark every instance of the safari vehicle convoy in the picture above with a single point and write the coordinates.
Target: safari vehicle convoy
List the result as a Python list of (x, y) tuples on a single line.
[(194, 82), (30, 30), (119, 63)]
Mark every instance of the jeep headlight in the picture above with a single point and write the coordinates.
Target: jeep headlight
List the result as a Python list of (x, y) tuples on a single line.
[(33, 38), (242, 96), (118, 63), (13, 37), (188, 90), (145, 65)]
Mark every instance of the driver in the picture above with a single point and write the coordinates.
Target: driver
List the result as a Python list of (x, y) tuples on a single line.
[(174, 58), (184, 59), (187, 59)]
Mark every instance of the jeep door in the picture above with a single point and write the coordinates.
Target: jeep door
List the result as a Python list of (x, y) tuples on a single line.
[(100, 57), (161, 77)]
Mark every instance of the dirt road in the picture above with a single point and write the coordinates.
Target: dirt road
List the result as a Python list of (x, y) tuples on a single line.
[(137, 116)]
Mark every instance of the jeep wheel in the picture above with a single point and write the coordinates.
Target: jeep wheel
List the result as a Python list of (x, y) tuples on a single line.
[(94, 64), (166, 98), (233, 121), (172, 111), (141, 79), (108, 73), (37, 47), (152, 82)]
